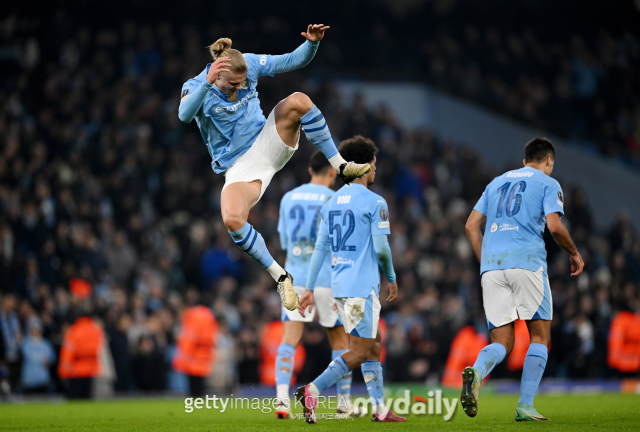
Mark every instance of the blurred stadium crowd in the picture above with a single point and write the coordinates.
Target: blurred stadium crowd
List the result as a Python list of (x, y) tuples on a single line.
[(100, 181)]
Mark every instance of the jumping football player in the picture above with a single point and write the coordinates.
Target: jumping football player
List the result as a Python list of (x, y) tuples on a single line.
[(355, 225), (298, 228), (249, 149), (513, 265)]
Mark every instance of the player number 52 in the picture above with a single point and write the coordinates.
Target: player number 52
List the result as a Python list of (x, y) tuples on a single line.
[(338, 242)]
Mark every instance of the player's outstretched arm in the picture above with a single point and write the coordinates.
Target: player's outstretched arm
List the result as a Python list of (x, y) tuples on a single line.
[(474, 232), (561, 236), (383, 253), (191, 102), (302, 55)]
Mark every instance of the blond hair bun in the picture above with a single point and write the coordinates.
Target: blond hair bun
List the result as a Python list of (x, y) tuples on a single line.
[(219, 47)]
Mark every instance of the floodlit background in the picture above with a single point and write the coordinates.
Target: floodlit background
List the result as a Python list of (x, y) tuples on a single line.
[(109, 206)]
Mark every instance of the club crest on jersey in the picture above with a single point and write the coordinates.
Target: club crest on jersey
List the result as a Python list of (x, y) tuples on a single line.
[(245, 85), (334, 260), (494, 227), (296, 251)]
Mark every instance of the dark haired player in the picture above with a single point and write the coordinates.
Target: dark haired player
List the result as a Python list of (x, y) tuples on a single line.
[(513, 265), (355, 226)]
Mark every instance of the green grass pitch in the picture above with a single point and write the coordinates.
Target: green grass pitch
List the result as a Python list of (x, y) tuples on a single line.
[(567, 412)]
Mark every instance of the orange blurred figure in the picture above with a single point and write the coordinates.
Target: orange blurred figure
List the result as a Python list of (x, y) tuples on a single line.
[(80, 356), (195, 352), (624, 342), (269, 343), (464, 350)]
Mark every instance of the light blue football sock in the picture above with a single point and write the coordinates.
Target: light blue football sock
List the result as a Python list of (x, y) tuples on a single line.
[(250, 241), (372, 374), (489, 357), (284, 364), (315, 128), (336, 370), (344, 385), (534, 364)]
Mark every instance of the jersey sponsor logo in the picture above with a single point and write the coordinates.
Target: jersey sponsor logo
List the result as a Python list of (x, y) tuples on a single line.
[(520, 174), (236, 106), (383, 224), (296, 251), (508, 227), (308, 250), (384, 214), (344, 199), (343, 261), (494, 227)]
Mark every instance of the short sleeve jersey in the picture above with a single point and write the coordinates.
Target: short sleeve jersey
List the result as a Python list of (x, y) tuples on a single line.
[(516, 205), (351, 218)]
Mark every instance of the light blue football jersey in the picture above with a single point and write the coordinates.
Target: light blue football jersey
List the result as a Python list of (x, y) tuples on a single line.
[(351, 217), (298, 227), (230, 128), (516, 204)]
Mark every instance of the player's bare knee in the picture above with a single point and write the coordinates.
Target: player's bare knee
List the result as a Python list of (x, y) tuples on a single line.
[(299, 104), (232, 221)]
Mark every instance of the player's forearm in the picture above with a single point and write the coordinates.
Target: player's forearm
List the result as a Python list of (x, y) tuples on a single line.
[(297, 59), (317, 259), (191, 103), (475, 238), (383, 253), (562, 237)]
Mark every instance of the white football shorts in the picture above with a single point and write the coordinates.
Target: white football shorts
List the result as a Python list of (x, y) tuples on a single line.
[(323, 302), (512, 293), (267, 155), (360, 315)]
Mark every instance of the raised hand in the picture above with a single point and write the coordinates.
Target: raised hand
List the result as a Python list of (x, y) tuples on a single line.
[(315, 32), (222, 64)]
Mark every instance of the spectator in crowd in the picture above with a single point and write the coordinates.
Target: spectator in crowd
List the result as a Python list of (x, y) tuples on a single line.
[(149, 368), (38, 355), (11, 335)]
